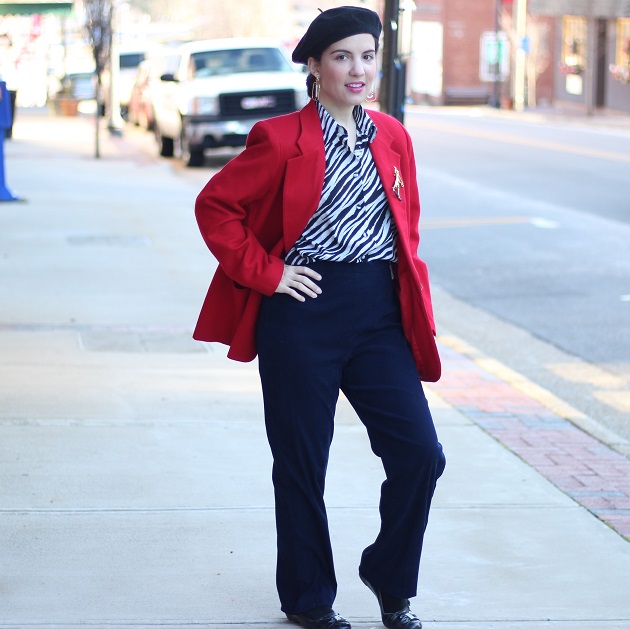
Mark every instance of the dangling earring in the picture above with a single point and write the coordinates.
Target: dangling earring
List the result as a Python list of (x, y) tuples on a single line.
[(315, 89), (371, 97)]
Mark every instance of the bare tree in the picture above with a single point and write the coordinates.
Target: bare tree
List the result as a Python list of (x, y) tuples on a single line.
[(209, 19), (98, 24), (262, 18), (539, 54)]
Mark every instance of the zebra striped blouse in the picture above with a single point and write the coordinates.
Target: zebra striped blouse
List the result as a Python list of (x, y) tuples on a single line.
[(353, 222)]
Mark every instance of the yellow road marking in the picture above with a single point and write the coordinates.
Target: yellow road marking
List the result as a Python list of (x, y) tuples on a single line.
[(517, 380), (583, 373), (608, 388), (616, 399), (519, 140)]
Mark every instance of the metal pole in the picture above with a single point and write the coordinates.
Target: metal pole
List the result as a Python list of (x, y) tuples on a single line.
[(519, 66), (115, 122), (390, 54), (497, 69)]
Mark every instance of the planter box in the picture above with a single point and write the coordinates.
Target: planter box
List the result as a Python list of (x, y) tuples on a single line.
[(67, 106)]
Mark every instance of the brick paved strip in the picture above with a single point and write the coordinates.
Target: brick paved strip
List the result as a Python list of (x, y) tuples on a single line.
[(594, 475)]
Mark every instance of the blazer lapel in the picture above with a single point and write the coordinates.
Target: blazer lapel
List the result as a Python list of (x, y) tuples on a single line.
[(387, 163), (304, 178)]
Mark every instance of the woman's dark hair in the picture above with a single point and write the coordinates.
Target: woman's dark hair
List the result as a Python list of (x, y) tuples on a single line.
[(310, 78)]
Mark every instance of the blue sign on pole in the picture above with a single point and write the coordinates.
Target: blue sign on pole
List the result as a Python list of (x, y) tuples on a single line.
[(526, 44), (5, 123)]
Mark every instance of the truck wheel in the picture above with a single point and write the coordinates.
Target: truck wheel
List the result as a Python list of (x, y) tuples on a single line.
[(195, 158), (191, 155), (167, 147)]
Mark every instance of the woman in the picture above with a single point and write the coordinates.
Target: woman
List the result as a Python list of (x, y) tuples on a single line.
[(315, 228)]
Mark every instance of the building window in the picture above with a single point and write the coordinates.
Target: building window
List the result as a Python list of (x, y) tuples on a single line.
[(573, 60), (621, 68)]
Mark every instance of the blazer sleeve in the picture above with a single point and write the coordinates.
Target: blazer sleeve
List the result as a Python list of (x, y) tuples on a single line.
[(226, 206)]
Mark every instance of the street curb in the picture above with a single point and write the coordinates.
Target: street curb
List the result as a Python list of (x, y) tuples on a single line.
[(568, 448)]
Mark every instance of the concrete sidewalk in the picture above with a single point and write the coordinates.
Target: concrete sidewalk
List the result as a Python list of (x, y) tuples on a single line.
[(135, 473)]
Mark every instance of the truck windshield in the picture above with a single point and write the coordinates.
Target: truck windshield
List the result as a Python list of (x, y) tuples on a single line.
[(217, 62)]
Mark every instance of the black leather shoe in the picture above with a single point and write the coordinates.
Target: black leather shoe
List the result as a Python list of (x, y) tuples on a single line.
[(331, 620), (402, 619)]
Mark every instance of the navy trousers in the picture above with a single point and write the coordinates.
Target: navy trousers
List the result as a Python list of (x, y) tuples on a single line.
[(349, 338)]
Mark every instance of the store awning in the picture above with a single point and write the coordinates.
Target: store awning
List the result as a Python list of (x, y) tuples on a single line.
[(33, 7)]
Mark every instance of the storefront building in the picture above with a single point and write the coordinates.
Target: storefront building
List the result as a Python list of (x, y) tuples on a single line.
[(592, 40), (577, 51), (464, 52)]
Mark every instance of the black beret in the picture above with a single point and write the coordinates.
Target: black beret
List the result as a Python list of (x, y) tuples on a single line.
[(333, 25)]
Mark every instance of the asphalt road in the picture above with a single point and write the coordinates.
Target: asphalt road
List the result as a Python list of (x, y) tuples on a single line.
[(526, 229)]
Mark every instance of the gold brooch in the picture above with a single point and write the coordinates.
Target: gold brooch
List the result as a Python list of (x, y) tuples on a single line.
[(398, 183)]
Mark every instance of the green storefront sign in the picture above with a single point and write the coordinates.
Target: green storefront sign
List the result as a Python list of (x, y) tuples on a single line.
[(34, 8)]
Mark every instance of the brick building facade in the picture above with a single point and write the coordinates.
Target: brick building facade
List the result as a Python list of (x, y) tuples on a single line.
[(578, 52), (454, 47), (451, 42)]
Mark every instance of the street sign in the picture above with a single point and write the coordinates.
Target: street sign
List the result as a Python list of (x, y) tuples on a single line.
[(494, 56)]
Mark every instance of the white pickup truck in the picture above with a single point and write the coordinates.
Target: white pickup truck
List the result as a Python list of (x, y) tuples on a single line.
[(220, 89)]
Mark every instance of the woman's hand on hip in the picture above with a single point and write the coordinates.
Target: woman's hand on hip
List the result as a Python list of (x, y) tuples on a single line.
[(297, 281)]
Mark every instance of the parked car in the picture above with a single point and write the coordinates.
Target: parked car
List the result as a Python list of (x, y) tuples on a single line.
[(147, 86), (140, 111), (70, 92), (79, 85), (220, 89), (129, 60)]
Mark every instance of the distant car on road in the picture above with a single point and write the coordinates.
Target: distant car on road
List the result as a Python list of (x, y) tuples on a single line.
[(219, 90)]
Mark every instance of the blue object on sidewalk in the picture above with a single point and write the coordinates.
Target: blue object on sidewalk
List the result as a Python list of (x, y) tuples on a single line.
[(5, 123)]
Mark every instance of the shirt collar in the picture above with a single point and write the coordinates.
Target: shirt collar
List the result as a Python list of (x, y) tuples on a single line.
[(366, 129), (365, 124)]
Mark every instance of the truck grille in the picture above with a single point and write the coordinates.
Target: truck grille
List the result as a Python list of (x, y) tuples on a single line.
[(257, 104)]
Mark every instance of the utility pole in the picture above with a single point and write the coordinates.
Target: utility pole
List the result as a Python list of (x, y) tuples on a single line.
[(521, 55), (397, 30), (496, 99), (390, 56)]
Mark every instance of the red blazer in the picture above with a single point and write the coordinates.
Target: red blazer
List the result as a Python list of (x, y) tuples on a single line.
[(252, 212)]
